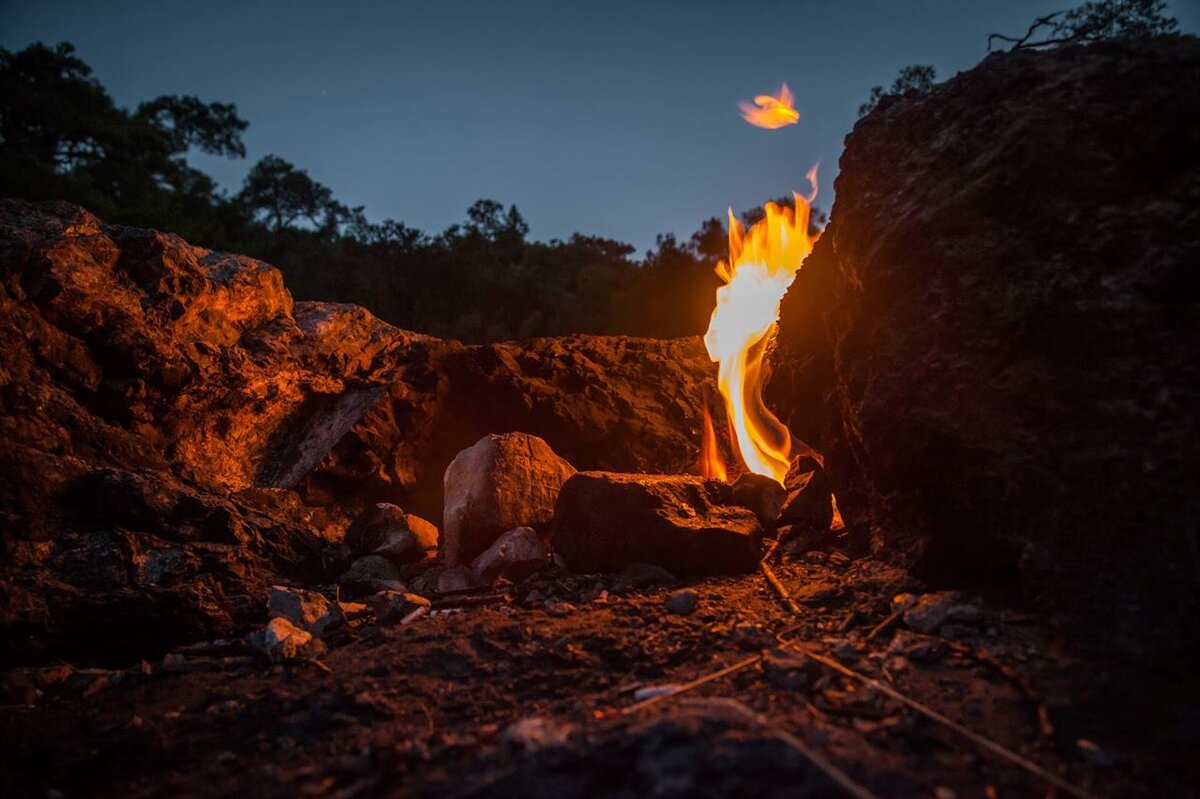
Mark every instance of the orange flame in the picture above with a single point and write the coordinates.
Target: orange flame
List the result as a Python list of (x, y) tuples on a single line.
[(762, 264), (771, 112), (712, 465)]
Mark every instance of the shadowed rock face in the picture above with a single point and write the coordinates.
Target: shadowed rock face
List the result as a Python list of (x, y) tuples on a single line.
[(996, 343), (176, 434), (605, 522)]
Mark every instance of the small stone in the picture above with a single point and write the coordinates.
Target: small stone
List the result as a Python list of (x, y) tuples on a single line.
[(763, 496), (930, 610), (283, 640), (385, 529), (308, 610), (515, 555), (560, 609), (641, 575), (398, 606), (536, 732), (785, 668), (844, 652), (809, 499), (683, 602), (372, 573)]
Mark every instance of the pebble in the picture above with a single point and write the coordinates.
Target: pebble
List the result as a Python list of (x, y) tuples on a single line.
[(536, 732), (683, 602)]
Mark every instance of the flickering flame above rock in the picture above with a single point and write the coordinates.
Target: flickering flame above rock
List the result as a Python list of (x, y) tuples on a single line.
[(771, 112), (762, 264)]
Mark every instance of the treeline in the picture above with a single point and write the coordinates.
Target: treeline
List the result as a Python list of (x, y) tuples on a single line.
[(63, 137)]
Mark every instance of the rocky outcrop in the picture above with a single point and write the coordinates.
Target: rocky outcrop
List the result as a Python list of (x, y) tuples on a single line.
[(995, 343), (177, 435)]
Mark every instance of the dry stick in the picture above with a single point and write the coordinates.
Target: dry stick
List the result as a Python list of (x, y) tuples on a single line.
[(769, 573), (687, 686), (887, 623), (843, 780), (986, 743), (467, 601)]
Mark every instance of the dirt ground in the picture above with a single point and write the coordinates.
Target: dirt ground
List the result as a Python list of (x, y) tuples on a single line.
[(546, 689)]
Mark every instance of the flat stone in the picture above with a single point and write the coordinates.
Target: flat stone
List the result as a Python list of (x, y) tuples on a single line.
[(502, 482), (397, 605), (308, 610), (605, 521)]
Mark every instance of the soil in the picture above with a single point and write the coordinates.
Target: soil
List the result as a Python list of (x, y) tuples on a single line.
[(530, 691)]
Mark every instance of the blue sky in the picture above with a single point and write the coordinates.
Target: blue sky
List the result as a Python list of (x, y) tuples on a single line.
[(616, 119)]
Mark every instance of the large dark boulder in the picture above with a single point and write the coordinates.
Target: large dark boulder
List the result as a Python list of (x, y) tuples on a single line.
[(692, 527), (996, 342)]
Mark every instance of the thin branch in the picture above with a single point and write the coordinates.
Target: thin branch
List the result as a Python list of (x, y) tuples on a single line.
[(769, 573), (688, 686)]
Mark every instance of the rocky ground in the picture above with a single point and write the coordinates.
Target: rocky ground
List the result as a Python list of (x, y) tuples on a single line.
[(556, 686)]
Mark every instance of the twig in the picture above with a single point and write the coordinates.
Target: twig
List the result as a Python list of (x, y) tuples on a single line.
[(687, 686), (925, 710), (887, 623), (769, 573), (841, 778), (467, 601), (315, 664)]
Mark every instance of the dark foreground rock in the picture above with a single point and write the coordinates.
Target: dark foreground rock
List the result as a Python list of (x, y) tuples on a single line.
[(176, 435), (605, 522), (996, 343)]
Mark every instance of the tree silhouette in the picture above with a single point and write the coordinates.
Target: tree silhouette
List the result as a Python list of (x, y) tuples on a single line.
[(914, 77), (1093, 21), (279, 194)]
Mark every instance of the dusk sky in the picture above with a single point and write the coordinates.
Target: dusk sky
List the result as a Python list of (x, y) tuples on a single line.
[(616, 119)]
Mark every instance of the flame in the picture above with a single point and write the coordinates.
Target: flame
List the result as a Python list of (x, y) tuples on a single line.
[(771, 112), (762, 264), (712, 465)]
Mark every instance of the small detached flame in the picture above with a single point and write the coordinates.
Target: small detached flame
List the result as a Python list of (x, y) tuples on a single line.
[(771, 112), (762, 264)]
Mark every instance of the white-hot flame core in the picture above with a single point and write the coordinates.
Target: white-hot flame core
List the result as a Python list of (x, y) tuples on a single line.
[(763, 263)]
